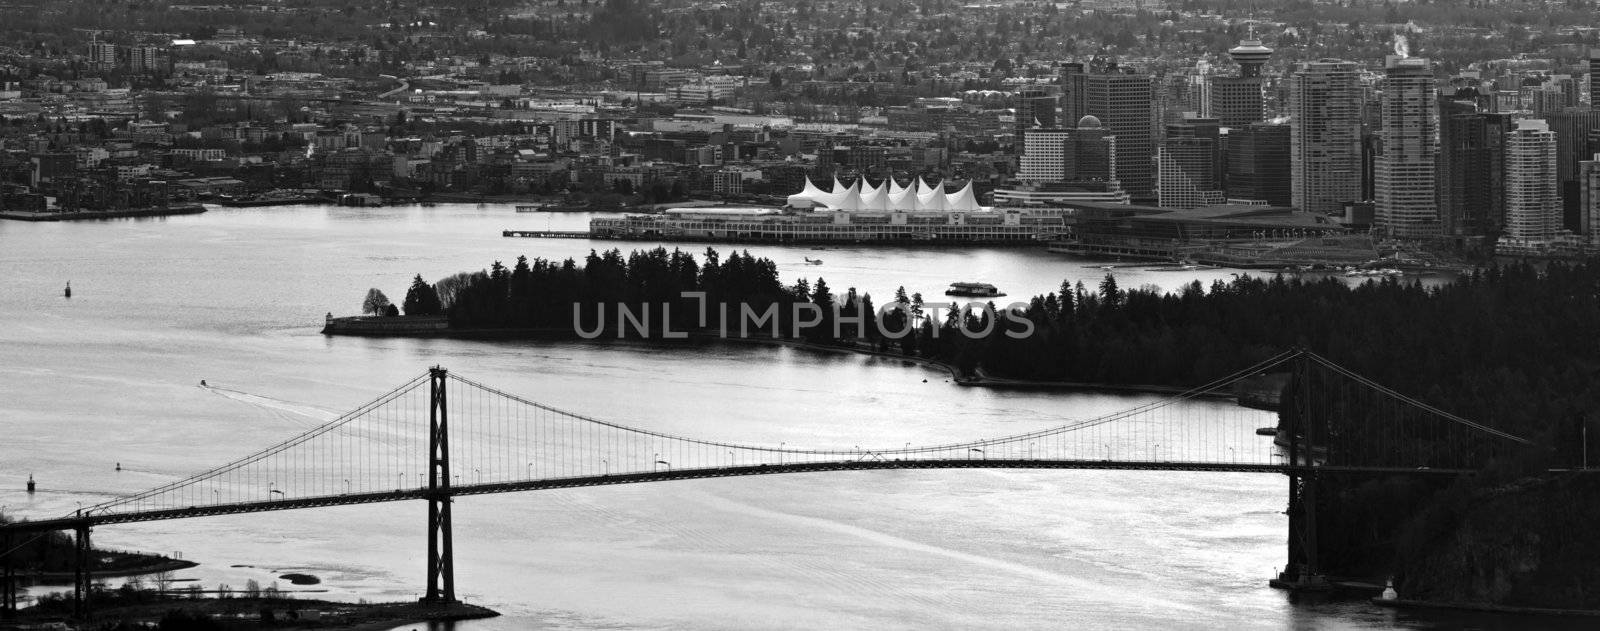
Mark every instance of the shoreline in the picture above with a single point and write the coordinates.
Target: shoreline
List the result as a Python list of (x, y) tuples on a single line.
[(433, 328), (90, 215), (1404, 603), (285, 613)]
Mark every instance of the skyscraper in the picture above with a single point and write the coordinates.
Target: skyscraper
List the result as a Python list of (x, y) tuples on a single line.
[(1405, 202), (1589, 197), (1044, 158), (1594, 74), (1189, 164), (1034, 108), (1471, 173), (1533, 212), (1572, 128), (1067, 165), (1125, 104), (1258, 163), (1237, 101), (1325, 136)]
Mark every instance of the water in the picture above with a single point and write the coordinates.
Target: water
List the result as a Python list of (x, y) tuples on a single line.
[(236, 297)]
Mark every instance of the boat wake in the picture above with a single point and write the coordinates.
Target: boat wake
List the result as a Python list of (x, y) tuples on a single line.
[(320, 415)]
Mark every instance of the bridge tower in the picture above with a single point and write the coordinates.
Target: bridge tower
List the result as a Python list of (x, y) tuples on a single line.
[(1302, 572), (441, 556), (82, 572)]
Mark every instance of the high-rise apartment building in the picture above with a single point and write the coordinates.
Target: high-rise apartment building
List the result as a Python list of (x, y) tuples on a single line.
[(1258, 164), (102, 55), (1406, 202), (1125, 103), (1533, 211), (1572, 128), (1471, 173), (1238, 101), (1325, 136), (1589, 198)]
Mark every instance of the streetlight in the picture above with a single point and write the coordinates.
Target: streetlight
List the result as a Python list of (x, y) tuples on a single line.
[(733, 460), (347, 486), (1030, 451), (780, 453), (530, 471), (607, 464), (480, 475), (399, 481), (1108, 451)]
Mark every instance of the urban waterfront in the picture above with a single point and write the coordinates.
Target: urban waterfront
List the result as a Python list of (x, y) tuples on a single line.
[(235, 297)]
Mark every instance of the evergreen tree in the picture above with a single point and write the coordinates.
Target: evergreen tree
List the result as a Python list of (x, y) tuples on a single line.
[(421, 299)]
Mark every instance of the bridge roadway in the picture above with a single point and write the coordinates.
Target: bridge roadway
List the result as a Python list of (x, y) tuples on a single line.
[(69, 523)]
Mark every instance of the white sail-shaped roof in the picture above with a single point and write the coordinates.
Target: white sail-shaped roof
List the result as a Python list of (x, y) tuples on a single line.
[(888, 196), (933, 198), (964, 200), (875, 198), (810, 196), (905, 198)]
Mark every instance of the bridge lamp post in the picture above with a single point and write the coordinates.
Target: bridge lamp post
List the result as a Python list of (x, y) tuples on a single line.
[(347, 486), (530, 471), (400, 481), (607, 466), (1108, 451), (780, 452), (733, 461), (1030, 451), (480, 475)]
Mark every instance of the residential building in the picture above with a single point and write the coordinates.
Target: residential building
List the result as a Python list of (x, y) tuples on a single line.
[(1325, 137), (1471, 172), (1533, 211), (1406, 194)]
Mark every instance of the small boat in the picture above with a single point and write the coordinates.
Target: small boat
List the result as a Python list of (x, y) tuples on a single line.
[(69, 289), (973, 290), (812, 261), (529, 208), (1266, 431)]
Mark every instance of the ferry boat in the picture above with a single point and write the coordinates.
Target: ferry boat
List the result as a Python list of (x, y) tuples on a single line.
[(973, 290)]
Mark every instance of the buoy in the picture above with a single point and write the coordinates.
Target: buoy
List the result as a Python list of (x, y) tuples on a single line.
[(202, 383), (69, 289), (1388, 591), (30, 484), (119, 466)]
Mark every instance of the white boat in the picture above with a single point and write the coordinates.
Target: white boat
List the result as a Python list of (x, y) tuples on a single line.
[(812, 261)]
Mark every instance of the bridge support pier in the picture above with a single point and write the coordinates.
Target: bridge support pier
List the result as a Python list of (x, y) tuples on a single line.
[(441, 556), (82, 573), (8, 578)]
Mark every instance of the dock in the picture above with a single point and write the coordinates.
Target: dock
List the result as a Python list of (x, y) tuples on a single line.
[(548, 234)]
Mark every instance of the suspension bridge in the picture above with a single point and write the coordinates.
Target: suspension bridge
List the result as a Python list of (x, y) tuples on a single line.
[(442, 435)]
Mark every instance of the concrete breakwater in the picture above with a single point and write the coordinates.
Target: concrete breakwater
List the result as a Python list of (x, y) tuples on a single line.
[(386, 325)]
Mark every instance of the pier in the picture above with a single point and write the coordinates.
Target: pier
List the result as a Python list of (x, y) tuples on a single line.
[(549, 234)]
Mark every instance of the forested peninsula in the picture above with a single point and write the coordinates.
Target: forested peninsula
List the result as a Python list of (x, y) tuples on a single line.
[(1515, 347)]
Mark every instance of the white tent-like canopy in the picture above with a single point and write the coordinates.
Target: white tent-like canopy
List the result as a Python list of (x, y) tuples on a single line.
[(888, 196)]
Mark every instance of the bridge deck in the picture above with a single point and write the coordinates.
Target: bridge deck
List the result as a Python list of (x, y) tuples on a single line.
[(667, 474)]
